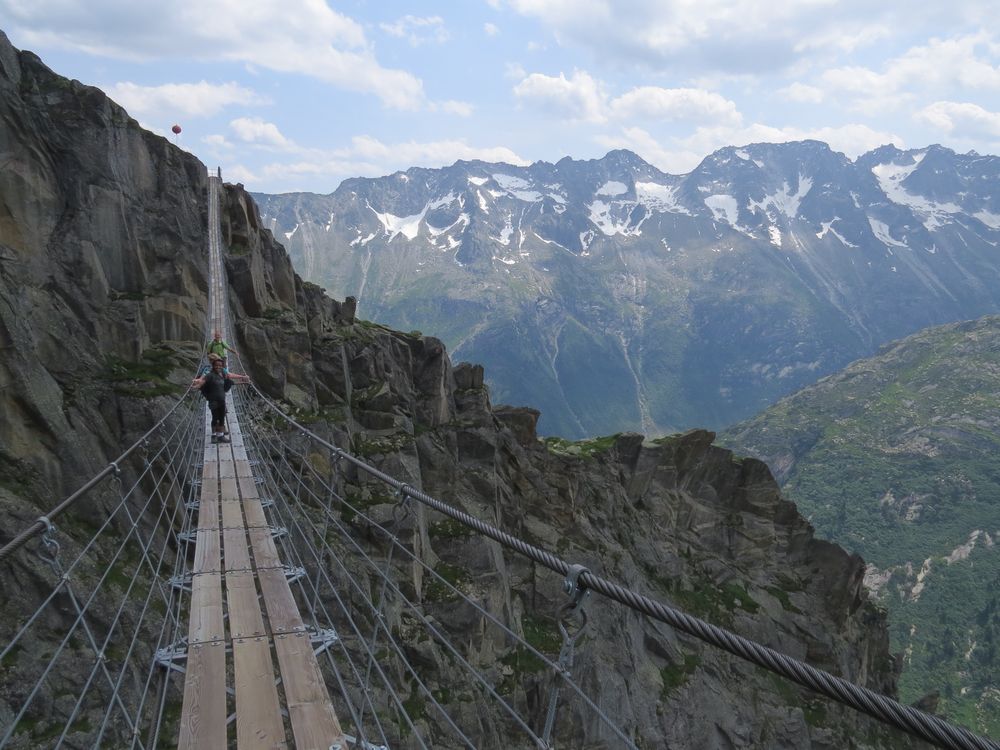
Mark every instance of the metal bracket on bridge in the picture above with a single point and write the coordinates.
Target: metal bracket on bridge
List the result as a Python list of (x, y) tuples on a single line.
[(322, 639), (361, 744), (266, 502), (292, 574), (182, 581), (170, 656), (278, 531)]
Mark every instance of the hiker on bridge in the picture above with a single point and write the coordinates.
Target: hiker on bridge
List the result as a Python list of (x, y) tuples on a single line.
[(219, 348), (214, 386)]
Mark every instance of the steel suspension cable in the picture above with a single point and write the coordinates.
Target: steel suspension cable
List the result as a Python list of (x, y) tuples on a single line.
[(887, 710), (556, 669), (39, 526), (369, 649)]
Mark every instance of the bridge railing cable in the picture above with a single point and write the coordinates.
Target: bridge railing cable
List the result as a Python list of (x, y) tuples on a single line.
[(338, 563), (111, 469), (80, 668), (887, 710)]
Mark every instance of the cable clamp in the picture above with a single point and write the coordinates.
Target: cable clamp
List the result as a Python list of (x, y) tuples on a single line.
[(402, 509), (50, 547), (115, 471), (572, 586)]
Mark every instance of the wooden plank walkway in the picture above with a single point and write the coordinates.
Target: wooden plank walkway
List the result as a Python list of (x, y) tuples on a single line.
[(274, 671)]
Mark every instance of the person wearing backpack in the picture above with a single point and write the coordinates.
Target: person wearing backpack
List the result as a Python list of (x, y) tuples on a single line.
[(218, 347)]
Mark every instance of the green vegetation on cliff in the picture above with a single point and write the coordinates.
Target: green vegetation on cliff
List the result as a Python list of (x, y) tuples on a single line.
[(898, 459)]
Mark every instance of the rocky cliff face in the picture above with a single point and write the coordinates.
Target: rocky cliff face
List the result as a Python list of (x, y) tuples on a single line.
[(102, 226), (102, 231)]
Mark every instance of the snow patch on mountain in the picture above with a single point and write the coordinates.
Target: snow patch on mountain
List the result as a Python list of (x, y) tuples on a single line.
[(989, 219), (657, 197), (890, 178), (289, 235), (881, 231), (438, 231), (775, 235), (478, 181), (408, 226), (362, 241), (612, 188), (552, 242), (828, 229), (616, 218), (505, 233), (784, 200), (724, 208), (516, 187)]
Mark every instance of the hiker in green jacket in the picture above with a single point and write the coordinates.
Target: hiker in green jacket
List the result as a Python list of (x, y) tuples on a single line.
[(218, 347)]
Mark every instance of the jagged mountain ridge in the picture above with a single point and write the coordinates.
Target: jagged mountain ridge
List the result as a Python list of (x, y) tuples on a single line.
[(896, 458), (637, 512), (615, 296)]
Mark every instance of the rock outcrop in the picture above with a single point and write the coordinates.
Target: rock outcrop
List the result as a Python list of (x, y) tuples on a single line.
[(102, 226)]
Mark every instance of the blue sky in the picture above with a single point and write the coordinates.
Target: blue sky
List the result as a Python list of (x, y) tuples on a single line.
[(300, 94)]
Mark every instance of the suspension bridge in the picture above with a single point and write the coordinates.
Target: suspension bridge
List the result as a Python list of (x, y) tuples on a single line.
[(223, 598)]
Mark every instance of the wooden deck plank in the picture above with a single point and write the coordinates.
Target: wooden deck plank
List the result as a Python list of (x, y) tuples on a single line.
[(206, 608), (203, 712), (258, 717), (207, 552), (282, 611), (265, 553), (254, 512), (248, 488), (229, 491), (314, 722), (237, 553), (245, 619), (211, 471)]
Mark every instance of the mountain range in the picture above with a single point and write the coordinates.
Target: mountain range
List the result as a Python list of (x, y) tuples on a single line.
[(614, 296)]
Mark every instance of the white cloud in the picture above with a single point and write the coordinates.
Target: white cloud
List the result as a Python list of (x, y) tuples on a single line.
[(418, 30), (239, 173), (578, 97), (257, 131), (683, 104), (201, 99), (217, 141), (962, 120), (940, 66), (429, 154), (491, 29), (800, 92), (454, 107), (583, 98), (305, 37)]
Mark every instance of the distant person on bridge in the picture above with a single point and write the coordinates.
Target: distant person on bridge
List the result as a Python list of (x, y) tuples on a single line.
[(219, 348), (214, 386)]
